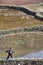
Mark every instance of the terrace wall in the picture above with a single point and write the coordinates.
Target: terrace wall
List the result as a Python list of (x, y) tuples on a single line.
[(21, 62)]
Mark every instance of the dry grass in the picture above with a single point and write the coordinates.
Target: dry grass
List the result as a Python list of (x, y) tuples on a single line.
[(16, 20), (22, 44)]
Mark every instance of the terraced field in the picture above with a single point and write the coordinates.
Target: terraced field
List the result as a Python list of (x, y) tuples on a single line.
[(27, 43), (16, 19)]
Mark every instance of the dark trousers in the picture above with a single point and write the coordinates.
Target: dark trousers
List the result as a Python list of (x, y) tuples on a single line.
[(9, 55)]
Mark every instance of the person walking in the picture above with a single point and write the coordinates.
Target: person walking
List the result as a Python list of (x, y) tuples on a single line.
[(10, 52)]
